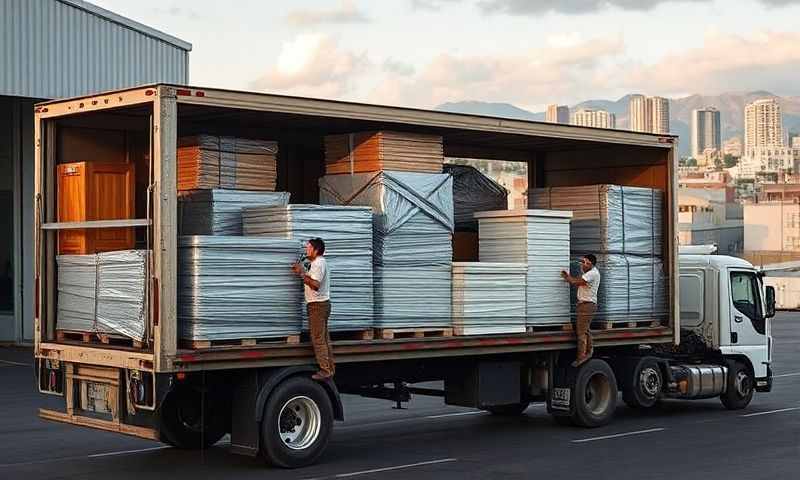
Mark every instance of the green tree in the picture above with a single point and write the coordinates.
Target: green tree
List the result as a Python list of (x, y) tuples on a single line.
[(730, 160)]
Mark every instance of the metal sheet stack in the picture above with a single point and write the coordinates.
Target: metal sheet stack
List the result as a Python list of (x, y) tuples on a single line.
[(623, 227), (233, 288), (209, 161), (347, 232), (219, 212), (412, 232), (375, 151), (489, 298), (474, 192), (541, 239), (103, 293)]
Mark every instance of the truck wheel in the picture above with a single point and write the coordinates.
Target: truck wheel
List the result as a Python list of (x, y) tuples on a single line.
[(739, 391), (644, 384), (297, 423), (511, 410), (190, 420), (595, 394)]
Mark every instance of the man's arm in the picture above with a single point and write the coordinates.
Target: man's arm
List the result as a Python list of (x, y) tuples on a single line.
[(577, 281), (307, 280)]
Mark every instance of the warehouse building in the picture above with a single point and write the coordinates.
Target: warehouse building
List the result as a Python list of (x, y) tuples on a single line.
[(55, 49)]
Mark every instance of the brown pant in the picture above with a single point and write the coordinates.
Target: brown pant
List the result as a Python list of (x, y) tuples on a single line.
[(318, 313), (585, 313)]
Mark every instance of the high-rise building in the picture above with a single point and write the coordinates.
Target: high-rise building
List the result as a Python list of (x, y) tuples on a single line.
[(732, 147), (763, 124), (794, 139), (557, 113), (649, 114), (706, 132), (594, 118)]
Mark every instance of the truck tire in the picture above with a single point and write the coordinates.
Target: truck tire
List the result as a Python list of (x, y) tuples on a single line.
[(643, 386), (191, 420), (740, 387), (511, 410), (297, 423), (595, 393)]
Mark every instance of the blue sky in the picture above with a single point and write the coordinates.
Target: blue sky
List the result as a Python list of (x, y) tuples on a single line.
[(529, 53)]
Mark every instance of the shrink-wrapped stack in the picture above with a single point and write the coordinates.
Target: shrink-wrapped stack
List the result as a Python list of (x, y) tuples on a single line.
[(412, 238), (347, 233), (489, 298), (237, 288), (219, 212), (209, 161), (474, 192), (539, 238), (103, 293)]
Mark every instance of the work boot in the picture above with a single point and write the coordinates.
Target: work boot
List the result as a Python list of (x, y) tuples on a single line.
[(321, 376), (581, 360)]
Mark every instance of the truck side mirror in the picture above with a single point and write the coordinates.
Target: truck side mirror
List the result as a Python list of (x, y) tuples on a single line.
[(770, 301)]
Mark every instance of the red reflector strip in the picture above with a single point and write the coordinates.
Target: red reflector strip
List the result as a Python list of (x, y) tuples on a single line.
[(146, 92), (183, 92), (200, 94)]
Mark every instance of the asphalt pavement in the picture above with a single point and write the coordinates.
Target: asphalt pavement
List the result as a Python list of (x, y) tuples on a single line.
[(680, 439)]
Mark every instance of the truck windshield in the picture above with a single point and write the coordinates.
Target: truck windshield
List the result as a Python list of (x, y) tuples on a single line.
[(744, 293)]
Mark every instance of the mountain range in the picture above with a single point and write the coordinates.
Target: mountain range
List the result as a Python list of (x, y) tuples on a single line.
[(731, 106)]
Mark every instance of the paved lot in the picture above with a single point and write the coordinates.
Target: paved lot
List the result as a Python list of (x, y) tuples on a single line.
[(429, 440)]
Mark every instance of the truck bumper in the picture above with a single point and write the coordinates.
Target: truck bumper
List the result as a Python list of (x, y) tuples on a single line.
[(764, 384)]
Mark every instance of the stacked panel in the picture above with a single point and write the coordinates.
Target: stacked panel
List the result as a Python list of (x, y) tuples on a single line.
[(219, 212), (384, 150), (238, 287), (347, 233), (489, 298), (209, 161), (412, 238), (541, 239)]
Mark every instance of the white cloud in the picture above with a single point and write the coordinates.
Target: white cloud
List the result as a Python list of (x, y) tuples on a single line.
[(313, 65), (345, 12), (538, 7)]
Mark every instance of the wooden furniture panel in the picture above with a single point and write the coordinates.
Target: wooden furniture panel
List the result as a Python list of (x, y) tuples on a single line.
[(95, 191)]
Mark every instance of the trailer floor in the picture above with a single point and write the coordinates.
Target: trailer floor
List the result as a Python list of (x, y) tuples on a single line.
[(429, 440)]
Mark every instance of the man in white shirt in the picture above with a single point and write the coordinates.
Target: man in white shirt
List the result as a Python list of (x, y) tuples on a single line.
[(587, 284), (316, 288)]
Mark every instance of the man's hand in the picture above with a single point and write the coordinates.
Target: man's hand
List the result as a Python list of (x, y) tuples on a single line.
[(298, 269), (564, 274)]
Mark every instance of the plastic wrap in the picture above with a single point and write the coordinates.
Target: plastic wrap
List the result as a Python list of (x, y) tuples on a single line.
[(489, 298), (238, 287), (413, 296), (609, 218), (219, 212), (632, 288), (347, 233), (474, 192), (413, 213), (121, 291), (540, 238), (103, 293)]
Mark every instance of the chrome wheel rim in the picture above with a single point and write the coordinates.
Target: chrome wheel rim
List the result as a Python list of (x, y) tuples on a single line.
[(743, 384), (299, 423), (598, 394), (650, 382)]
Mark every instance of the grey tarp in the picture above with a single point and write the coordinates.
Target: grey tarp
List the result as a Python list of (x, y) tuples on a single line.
[(609, 218), (219, 212), (413, 213), (541, 239), (489, 297), (347, 233), (474, 192), (103, 293), (237, 287), (632, 288)]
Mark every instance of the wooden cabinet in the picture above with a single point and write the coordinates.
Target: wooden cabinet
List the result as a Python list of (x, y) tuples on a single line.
[(95, 191)]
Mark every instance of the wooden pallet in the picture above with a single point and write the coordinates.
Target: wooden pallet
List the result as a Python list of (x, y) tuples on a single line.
[(98, 338), (392, 333), (240, 342), (367, 334), (618, 325), (562, 327)]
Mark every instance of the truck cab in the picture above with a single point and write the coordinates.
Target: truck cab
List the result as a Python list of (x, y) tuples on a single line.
[(725, 306)]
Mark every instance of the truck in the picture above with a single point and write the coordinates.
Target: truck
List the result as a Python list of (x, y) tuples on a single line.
[(715, 340)]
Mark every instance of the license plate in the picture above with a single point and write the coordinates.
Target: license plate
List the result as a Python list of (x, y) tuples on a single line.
[(559, 399), (97, 397)]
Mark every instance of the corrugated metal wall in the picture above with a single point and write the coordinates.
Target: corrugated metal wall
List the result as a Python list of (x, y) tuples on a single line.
[(53, 49)]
